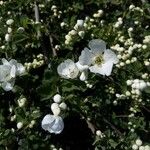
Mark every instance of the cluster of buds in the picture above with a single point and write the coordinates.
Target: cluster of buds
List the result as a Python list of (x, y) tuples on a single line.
[(77, 31), (8, 35), (37, 62)]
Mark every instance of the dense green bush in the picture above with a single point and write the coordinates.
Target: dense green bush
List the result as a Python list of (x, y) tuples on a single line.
[(103, 105)]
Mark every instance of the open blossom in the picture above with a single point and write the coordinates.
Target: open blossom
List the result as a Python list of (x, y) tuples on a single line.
[(8, 71), (68, 69), (53, 124), (99, 59)]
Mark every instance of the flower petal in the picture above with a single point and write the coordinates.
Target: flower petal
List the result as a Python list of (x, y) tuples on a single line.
[(48, 121), (5, 62), (86, 57), (58, 126), (97, 46), (20, 68), (7, 86), (13, 71), (104, 69), (109, 55), (13, 62), (81, 67)]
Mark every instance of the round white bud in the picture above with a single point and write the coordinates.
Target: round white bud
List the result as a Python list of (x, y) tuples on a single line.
[(9, 30), (57, 98), (141, 148), (129, 82), (21, 102), (7, 37), (138, 142), (80, 23), (128, 93), (134, 147), (81, 33), (19, 125), (9, 21), (98, 133), (147, 147), (63, 106)]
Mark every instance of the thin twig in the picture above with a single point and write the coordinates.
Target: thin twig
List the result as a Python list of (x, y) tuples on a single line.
[(146, 109), (36, 10), (113, 127), (52, 46)]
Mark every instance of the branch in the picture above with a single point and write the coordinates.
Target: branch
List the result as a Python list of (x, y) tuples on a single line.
[(113, 127), (52, 46)]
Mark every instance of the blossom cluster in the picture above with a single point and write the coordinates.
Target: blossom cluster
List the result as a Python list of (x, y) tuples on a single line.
[(96, 58)]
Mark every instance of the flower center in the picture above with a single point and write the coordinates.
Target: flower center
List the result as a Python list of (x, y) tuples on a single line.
[(98, 60)]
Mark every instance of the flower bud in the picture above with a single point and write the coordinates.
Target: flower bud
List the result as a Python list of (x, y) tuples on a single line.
[(83, 76), (63, 106), (138, 142), (55, 109), (19, 125), (9, 21), (57, 98), (7, 37)]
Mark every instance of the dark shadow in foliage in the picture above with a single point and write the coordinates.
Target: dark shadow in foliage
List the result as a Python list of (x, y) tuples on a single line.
[(76, 134)]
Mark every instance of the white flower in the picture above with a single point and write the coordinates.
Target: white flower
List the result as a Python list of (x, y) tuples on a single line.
[(9, 70), (53, 124), (19, 68), (98, 58), (68, 69), (55, 109), (57, 98)]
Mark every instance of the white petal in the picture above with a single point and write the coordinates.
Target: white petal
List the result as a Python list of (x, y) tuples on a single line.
[(4, 73), (5, 62), (97, 46), (86, 57), (109, 55), (20, 68), (61, 69), (58, 126), (13, 62), (13, 71), (94, 68), (104, 69), (82, 67), (7, 86), (48, 121)]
